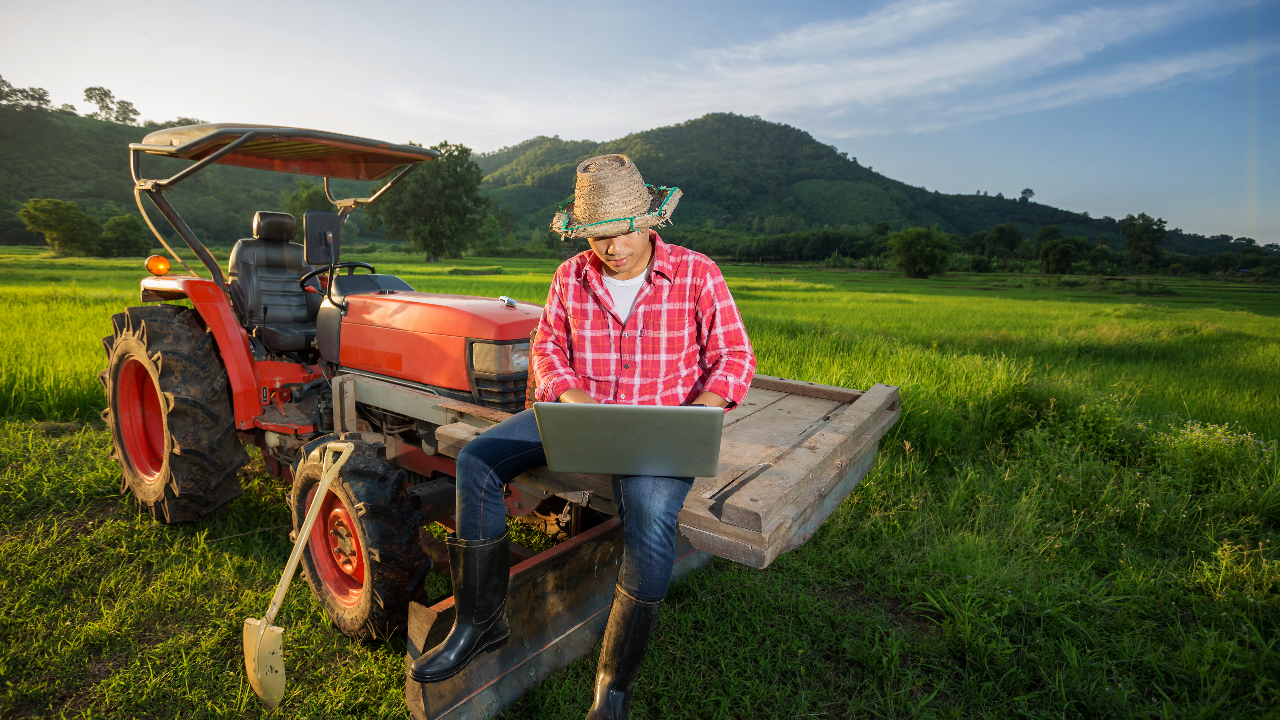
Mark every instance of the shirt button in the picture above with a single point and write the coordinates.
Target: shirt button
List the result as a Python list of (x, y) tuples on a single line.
[(623, 396), (624, 335), (625, 366)]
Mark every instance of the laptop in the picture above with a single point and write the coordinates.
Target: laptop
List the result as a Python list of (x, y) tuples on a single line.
[(661, 440)]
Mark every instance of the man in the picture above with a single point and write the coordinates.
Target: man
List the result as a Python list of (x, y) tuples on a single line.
[(632, 321)]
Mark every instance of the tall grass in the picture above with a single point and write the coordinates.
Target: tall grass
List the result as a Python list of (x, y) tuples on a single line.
[(1076, 517), (52, 350)]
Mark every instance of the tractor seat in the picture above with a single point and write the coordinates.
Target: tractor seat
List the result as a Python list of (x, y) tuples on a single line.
[(264, 276)]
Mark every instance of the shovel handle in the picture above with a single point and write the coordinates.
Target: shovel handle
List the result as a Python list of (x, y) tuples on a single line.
[(304, 533)]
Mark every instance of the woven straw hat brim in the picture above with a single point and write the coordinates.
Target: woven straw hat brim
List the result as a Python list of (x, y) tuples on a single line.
[(610, 198), (662, 203)]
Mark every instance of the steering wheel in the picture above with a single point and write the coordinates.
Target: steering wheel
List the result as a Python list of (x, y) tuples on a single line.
[(350, 266)]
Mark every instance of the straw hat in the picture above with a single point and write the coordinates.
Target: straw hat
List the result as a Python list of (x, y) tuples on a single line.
[(610, 198)]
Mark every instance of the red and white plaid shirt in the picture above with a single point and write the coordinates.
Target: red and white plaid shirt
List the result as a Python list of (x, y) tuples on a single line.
[(684, 336)]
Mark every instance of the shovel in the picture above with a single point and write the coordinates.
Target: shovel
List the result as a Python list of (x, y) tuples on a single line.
[(263, 657)]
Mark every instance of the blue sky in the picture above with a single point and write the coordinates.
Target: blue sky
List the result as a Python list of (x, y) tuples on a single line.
[(1168, 108)]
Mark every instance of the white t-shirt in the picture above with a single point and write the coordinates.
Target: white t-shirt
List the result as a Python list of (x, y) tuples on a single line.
[(624, 293)]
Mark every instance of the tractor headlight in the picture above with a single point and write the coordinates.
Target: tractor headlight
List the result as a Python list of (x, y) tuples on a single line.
[(493, 359)]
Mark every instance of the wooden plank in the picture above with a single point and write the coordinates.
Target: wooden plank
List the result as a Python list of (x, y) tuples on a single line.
[(799, 387), (808, 513), (755, 503), (450, 439), (757, 399), (754, 443), (484, 413), (804, 516)]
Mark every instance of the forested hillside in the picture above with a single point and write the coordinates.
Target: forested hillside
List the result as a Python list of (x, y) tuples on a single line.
[(54, 154), (740, 175), (750, 175)]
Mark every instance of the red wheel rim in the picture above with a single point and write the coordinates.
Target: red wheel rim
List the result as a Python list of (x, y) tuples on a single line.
[(336, 550), (140, 421)]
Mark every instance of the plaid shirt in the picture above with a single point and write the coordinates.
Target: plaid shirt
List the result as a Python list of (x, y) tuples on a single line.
[(684, 336)]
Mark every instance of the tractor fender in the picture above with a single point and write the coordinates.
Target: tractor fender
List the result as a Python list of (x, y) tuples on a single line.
[(233, 342)]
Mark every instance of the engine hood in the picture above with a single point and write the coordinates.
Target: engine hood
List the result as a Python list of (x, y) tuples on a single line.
[(436, 314)]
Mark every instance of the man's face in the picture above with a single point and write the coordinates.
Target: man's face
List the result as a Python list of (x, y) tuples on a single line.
[(623, 256)]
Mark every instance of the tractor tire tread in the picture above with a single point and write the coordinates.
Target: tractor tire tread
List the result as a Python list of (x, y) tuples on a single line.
[(205, 455), (389, 536)]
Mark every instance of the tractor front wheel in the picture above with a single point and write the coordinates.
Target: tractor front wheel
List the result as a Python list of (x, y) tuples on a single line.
[(169, 413), (363, 557)]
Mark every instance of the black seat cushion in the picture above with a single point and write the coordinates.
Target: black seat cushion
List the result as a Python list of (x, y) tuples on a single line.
[(274, 226), (265, 275), (264, 288), (288, 336)]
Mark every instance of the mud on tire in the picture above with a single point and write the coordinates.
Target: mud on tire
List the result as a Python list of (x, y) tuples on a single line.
[(364, 557), (169, 413)]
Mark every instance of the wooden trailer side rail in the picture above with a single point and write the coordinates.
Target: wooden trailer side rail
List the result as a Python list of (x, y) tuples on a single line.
[(789, 456)]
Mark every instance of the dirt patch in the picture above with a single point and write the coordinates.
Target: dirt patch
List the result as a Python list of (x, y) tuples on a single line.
[(99, 669), (57, 429), (912, 622)]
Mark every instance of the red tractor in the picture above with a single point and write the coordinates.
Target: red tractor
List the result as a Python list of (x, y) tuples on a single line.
[(286, 352)]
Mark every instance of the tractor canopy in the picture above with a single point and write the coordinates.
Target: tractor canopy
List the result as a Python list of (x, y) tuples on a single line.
[(284, 149)]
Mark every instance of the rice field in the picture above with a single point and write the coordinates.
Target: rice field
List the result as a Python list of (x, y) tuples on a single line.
[(1075, 517)]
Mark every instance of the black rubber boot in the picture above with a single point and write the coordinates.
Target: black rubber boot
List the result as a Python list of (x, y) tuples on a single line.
[(631, 622), (480, 570)]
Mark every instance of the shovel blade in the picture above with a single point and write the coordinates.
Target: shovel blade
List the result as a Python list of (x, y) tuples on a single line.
[(264, 661)]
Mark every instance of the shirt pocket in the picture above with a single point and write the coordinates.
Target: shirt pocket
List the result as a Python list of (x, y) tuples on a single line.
[(668, 336)]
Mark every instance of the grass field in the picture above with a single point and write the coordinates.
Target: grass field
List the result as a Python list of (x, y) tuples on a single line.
[(1075, 517)]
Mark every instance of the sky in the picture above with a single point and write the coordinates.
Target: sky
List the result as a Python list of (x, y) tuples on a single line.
[(1170, 107)]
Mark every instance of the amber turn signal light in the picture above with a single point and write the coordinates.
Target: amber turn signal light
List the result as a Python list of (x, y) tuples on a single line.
[(157, 265)]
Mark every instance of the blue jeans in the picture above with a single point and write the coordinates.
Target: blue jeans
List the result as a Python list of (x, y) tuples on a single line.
[(649, 506)]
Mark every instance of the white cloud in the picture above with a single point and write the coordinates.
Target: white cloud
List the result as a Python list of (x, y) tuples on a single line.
[(952, 61)]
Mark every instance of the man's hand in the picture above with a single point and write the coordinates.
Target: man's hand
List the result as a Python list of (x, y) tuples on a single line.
[(575, 395), (709, 399)]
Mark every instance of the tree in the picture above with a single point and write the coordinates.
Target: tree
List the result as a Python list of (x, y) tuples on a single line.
[(920, 251), (1056, 257), (438, 207), (125, 113), (66, 227), (1003, 240), (109, 108), (976, 243), (1027, 194), (124, 236), (304, 198), (104, 99), (1047, 234), (1143, 240), (32, 97), (1099, 256)]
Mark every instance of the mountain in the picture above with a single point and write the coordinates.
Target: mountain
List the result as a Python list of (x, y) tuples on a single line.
[(748, 174), (738, 173), (52, 154)]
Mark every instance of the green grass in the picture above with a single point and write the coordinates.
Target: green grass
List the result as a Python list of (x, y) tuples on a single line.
[(1075, 517)]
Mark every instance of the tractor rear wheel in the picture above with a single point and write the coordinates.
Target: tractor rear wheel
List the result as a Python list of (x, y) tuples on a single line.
[(169, 413), (363, 558)]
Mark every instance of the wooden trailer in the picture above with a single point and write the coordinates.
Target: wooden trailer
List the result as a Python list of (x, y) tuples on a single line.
[(790, 454)]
